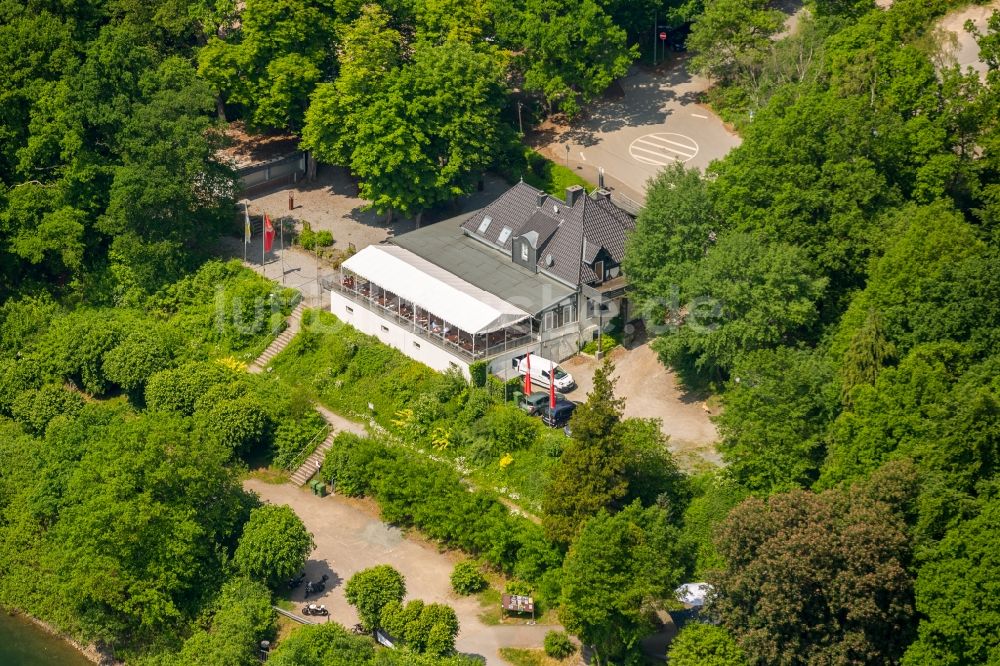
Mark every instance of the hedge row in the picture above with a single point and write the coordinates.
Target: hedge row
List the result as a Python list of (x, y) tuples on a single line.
[(429, 495)]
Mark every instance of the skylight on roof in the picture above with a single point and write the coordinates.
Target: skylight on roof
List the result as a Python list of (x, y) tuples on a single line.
[(504, 235), (485, 224)]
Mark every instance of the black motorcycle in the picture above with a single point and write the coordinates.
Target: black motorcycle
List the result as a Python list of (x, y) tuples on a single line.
[(317, 587), (295, 581), (313, 609)]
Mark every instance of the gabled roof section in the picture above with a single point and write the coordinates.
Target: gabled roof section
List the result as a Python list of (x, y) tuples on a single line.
[(561, 229), (542, 226)]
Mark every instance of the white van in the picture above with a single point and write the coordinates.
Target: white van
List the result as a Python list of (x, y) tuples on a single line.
[(541, 371)]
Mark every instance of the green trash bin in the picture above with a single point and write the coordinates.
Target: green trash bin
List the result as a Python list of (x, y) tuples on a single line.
[(314, 486), (321, 488)]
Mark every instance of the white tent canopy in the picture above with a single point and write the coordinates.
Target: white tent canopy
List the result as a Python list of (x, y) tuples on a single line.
[(434, 289), (693, 594)]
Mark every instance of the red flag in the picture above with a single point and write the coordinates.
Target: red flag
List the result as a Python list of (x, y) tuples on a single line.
[(552, 389), (268, 233), (527, 375)]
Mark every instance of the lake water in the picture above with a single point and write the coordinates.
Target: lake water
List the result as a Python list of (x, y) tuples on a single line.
[(24, 644)]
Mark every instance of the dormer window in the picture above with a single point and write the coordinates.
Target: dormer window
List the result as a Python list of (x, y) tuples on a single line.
[(504, 235), (524, 250), (484, 225)]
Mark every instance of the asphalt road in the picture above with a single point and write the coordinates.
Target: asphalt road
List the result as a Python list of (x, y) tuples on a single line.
[(656, 121)]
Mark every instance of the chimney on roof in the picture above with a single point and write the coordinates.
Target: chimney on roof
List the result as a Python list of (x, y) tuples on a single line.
[(540, 199), (603, 194), (573, 194)]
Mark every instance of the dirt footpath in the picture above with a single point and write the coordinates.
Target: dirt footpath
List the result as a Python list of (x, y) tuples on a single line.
[(348, 539), (651, 391)]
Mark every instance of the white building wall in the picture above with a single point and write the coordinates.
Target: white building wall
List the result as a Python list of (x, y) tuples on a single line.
[(395, 335)]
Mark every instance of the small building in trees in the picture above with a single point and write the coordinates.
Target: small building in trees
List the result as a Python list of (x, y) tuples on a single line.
[(530, 272)]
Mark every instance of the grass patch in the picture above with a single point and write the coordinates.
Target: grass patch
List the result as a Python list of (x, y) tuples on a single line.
[(271, 475), (528, 657), (489, 602), (544, 174), (344, 369)]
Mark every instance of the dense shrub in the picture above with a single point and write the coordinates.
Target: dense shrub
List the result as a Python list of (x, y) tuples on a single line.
[(143, 352), (466, 578), (423, 628), (479, 371), (292, 435), (510, 429), (351, 463), (324, 238), (429, 495), (178, 389), (240, 425), (35, 408), (558, 645)]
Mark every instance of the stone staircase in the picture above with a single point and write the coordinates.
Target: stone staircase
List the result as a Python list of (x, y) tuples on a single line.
[(280, 342), (308, 468)]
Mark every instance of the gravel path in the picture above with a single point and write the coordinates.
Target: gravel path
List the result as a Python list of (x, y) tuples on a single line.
[(651, 391), (348, 539)]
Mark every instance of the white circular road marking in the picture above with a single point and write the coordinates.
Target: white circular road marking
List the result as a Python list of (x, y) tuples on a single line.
[(662, 148)]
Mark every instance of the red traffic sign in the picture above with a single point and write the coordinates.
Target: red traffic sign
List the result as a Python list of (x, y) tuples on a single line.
[(663, 36)]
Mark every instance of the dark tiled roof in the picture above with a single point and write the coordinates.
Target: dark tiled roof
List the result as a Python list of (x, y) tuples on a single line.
[(542, 225), (523, 208)]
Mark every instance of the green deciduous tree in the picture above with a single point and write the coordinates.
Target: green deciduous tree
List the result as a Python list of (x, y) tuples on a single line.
[(370, 590), (370, 51), (571, 52), (672, 233), (746, 294), (273, 61), (323, 645), (274, 545), (730, 37), (242, 617), (616, 573), (816, 579), (956, 590), (778, 407), (433, 131), (699, 644)]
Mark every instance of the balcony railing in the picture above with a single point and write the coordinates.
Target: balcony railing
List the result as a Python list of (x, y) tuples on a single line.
[(457, 342)]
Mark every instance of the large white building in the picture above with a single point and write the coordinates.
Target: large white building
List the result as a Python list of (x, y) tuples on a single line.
[(529, 272)]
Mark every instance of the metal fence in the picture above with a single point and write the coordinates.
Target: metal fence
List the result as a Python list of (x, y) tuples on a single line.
[(280, 171)]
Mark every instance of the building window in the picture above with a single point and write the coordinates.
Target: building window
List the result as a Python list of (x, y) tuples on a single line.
[(561, 315), (485, 224), (504, 235), (385, 329), (349, 309), (416, 344), (524, 251)]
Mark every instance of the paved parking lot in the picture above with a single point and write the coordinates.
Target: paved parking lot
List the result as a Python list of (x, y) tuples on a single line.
[(654, 120)]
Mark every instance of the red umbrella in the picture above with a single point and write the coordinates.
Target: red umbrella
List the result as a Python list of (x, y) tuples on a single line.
[(552, 389), (527, 375)]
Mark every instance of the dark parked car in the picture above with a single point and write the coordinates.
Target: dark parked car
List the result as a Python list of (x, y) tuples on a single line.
[(534, 404), (558, 417)]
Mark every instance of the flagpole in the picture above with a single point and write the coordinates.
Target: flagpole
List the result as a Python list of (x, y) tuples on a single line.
[(282, 253), (246, 229), (263, 243)]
